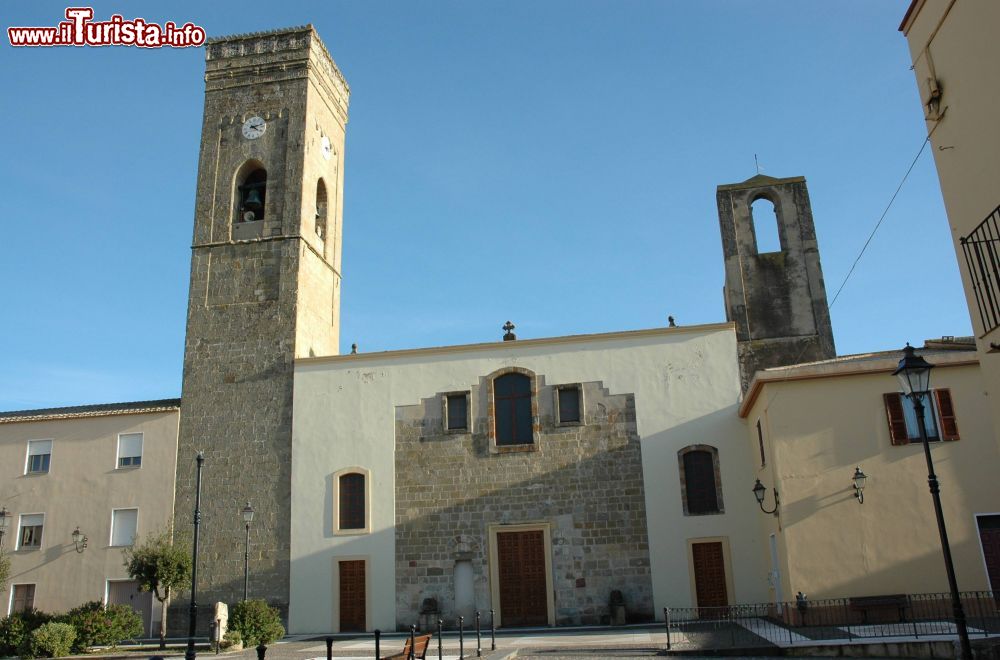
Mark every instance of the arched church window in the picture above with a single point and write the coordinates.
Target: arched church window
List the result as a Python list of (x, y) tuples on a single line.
[(321, 205), (351, 506), (252, 195), (512, 397), (765, 225), (701, 487)]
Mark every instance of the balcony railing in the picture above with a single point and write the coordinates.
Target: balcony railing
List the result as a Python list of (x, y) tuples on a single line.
[(982, 257)]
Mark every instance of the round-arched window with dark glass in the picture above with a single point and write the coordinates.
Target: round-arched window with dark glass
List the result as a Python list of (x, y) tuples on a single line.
[(699, 482), (512, 400), (352, 501)]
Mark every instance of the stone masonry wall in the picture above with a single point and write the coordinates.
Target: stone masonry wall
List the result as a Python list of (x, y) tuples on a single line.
[(584, 480), (245, 317)]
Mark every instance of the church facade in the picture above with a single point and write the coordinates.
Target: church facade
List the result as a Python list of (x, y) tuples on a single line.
[(557, 481)]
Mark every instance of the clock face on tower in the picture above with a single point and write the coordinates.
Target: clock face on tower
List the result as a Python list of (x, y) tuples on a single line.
[(327, 148), (254, 127)]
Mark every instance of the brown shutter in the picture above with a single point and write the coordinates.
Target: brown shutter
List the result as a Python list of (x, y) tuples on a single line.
[(897, 423), (946, 411)]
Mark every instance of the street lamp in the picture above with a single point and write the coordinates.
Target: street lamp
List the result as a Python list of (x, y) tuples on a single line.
[(190, 653), (914, 374), (759, 490), (247, 519), (4, 522), (859, 480)]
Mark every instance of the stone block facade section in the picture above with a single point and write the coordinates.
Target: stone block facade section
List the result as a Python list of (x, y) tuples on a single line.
[(258, 299), (776, 299), (584, 481)]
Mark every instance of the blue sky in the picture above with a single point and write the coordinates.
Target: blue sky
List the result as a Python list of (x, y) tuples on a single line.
[(550, 163)]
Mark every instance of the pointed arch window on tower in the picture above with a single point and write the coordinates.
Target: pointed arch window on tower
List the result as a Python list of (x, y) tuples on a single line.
[(321, 205), (252, 195), (765, 225)]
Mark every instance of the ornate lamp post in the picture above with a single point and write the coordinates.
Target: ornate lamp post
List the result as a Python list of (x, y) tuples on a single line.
[(759, 491), (247, 519), (858, 481), (189, 654), (79, 540), (914, 374), (4, 523)]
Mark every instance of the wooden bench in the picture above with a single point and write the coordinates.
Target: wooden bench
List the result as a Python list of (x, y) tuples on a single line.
[(420, 644), (865, 604)]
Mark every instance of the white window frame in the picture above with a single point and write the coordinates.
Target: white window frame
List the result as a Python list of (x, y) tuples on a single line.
[(932, 418), (10, 600), (118, 451), (28, 455), (20, 528), (135, 534), (367, 529)]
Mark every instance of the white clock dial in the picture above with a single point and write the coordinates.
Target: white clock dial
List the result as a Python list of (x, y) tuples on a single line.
[(327, 148), (254, 127)]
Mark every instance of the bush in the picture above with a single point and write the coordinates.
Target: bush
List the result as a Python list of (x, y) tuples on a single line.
[(51, 640), (256, 622), (16, 629), (231, 640), (97, 625)]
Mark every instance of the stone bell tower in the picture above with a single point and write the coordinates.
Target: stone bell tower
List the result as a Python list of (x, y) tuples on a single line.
[(777, 299), (265, 289)]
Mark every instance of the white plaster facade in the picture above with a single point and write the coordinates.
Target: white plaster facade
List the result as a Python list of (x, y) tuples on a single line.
[(686, 386)]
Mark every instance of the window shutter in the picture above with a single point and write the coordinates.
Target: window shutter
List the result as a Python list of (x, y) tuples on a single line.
[(897, 423), (946, 411)]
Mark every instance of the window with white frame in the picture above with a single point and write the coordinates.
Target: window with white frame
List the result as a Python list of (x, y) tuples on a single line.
[(39, 455), (129, 450), (123, 524), (22, 598), (29, 533)]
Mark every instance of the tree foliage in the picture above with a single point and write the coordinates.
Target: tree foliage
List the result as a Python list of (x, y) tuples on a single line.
[(159, 564)]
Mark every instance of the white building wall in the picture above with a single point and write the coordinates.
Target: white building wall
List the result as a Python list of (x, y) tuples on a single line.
[(686, 387)]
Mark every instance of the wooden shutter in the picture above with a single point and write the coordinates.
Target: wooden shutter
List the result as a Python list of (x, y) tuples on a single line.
[(946, 412), (897, 423)]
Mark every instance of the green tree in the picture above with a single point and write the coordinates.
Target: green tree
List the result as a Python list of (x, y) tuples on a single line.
[(159, 565)]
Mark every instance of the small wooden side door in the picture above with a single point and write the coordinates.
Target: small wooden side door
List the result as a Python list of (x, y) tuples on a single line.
[(709, 574), (352, 596)]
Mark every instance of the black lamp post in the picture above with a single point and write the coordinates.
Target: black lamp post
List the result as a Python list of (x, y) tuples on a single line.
[(914, 373), (193, 608), (4, 522), (247, 519)]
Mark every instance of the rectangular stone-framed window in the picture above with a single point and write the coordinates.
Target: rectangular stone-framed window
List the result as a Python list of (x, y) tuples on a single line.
[(456, 413), (567, 401)]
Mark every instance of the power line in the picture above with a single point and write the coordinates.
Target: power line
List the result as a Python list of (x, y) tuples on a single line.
[(881, 218)]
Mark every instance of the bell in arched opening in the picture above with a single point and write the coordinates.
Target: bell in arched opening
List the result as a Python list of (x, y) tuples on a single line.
[(252, 196)]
